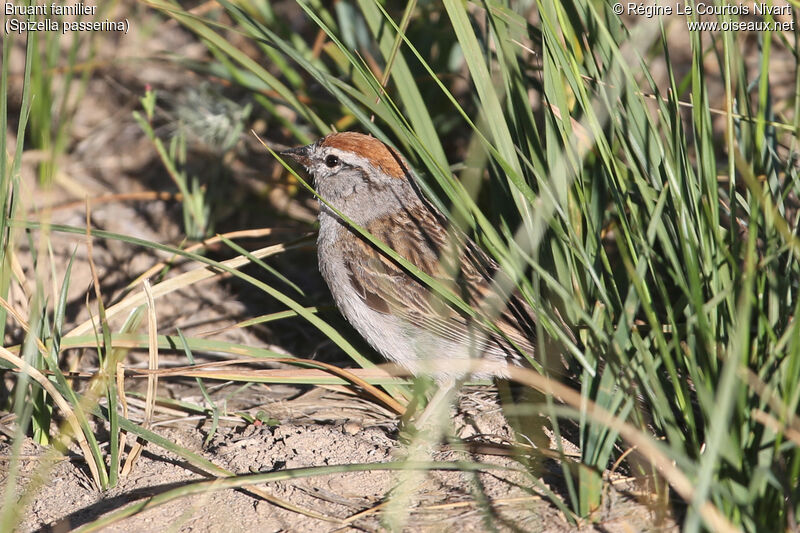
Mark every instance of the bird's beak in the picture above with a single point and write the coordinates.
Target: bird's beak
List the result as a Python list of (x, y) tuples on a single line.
[(300, 154)]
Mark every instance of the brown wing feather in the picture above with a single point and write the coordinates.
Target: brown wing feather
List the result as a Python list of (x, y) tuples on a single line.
[(450, 258)]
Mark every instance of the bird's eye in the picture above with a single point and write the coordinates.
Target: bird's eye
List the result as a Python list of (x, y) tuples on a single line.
[(331, 161)]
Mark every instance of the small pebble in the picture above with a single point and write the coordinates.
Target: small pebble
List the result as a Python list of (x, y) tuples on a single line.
[(351, 428)]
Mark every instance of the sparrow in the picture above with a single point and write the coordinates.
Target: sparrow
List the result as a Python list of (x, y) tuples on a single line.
[(399, 315)]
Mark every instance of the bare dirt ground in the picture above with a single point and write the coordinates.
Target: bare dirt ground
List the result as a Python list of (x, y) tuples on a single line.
[(314, 426), (348, 502)]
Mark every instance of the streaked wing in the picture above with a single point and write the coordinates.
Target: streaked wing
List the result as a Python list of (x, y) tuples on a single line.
[(422, 238)]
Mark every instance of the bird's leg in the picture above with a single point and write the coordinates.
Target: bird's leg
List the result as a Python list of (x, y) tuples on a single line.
[(522, 407), (437, 412), (429, 428), (411, 410), (434, 416)]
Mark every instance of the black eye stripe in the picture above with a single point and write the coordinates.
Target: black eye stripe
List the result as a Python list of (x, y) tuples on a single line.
[(331, 161)]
